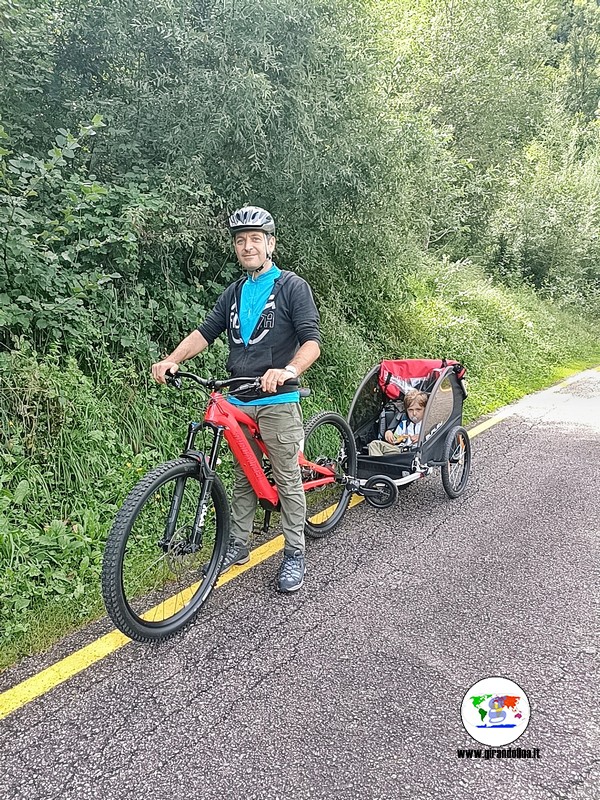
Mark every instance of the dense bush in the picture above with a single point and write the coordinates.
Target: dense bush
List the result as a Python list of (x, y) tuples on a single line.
[(546, 227), (86, 263)]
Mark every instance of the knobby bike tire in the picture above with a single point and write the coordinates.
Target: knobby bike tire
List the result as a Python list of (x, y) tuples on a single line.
[(123, 609), (453, 487), (320, 521)]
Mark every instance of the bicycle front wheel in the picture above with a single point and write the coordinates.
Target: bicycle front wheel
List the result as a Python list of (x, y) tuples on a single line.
[(164, 551), (328, 442)]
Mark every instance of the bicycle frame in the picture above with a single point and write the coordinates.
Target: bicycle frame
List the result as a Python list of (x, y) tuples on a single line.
[(226, 420)]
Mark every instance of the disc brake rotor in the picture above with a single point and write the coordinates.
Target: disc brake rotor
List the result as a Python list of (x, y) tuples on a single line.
[(179, 549)]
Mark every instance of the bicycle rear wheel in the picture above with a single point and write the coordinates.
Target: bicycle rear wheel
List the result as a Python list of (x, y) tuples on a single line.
[(156, 574), (329, 442)]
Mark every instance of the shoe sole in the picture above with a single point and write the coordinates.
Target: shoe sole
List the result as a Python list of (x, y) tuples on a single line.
[(291, 591), (235, 564)]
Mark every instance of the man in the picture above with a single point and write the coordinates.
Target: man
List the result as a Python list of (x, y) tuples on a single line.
[(272, 326)]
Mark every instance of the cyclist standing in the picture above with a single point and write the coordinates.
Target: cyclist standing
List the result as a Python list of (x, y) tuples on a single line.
[(272, 325)]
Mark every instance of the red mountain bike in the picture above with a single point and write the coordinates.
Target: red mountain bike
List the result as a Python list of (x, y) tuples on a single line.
[(165, 549)]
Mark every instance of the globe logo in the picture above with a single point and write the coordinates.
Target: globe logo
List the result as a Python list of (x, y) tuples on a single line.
[(495, 711)]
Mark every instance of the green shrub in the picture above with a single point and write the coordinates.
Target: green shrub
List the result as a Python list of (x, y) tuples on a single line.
[(72, 447), (545, 229)]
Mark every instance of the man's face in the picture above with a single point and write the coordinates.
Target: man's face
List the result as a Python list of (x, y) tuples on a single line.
[(251, 248)]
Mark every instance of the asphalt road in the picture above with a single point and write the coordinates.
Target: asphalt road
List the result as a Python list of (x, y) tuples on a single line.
[(352, 688)]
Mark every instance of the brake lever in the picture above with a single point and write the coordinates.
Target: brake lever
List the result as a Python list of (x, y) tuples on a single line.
[(246, 387), (173, 380)]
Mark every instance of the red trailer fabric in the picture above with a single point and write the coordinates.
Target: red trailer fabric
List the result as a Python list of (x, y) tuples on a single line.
[(398, 377)]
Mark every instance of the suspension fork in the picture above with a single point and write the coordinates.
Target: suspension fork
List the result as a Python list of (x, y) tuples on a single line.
[(207, 472), (207, 467)]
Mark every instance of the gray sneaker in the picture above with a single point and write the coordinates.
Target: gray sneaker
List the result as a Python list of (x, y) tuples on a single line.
[(291, 572), (234, 555)]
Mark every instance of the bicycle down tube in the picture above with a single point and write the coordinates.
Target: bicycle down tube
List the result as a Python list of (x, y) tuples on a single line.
[(222, 414)]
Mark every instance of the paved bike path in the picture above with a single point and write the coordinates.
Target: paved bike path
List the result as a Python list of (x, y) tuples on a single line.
[(353, 686)]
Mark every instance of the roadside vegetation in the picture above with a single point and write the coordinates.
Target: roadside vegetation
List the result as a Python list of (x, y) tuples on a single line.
[(434, 169)]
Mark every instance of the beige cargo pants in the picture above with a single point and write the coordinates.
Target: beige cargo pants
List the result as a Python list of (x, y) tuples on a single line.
[(282, 432)]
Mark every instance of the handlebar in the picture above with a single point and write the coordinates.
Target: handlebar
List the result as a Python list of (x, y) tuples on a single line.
[(213, 384)]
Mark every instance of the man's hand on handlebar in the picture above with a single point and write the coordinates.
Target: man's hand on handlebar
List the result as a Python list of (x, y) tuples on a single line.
[(159, 370), (274, 378)]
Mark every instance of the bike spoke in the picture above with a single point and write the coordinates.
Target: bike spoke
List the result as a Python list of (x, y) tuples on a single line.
[(156, 574), (455, 472), (457, 463)]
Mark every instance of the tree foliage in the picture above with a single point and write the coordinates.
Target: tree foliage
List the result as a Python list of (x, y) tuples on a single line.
[(368, 128)]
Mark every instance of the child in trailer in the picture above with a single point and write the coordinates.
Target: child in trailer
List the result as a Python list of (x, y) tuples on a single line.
[(406, 432)]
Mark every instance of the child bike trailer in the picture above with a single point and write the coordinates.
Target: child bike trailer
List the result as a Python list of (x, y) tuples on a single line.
[(443, 441)]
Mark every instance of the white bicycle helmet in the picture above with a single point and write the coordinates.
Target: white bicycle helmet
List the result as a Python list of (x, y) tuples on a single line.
[(251, 218)]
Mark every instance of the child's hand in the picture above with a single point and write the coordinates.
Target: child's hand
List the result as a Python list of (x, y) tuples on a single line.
[(389, 437), (414, 438)]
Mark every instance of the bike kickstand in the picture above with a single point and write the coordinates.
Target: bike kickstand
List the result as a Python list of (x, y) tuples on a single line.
[(265, 526), (264, 529)]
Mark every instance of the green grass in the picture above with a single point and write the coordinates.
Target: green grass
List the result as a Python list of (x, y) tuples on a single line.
[(44, 626)]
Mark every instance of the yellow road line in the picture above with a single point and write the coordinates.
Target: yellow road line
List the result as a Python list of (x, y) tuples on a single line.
[(355, 500), (47, 679), (81, 659), (489, 423)]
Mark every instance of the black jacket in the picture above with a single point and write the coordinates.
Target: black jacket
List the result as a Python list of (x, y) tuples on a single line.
[(288, 320)]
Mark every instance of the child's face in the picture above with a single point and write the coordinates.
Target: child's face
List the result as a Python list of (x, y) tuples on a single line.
[(415, 413)]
